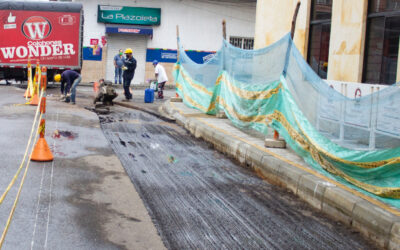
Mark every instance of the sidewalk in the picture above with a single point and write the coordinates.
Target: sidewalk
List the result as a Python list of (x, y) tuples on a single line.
[(143, 85), (373, 218)]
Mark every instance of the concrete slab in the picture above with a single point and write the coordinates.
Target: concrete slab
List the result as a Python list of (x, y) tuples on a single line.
[(221, 114), (339, 204), (394, 242), (312, 189), (291, 177), (176, 99), (272, 143), (375, 223), (254, 156), (204, 131)]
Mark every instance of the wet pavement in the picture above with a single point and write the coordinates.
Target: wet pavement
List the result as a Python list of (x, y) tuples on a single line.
[(84, 198), (199, 199)]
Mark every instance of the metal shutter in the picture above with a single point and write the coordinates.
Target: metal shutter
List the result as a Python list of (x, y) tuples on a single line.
[(137, 43)]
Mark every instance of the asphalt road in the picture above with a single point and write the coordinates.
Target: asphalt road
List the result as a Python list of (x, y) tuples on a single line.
[(81, 200), (199, 199)]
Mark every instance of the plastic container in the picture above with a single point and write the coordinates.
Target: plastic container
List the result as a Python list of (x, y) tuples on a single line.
[(154, 85), (149, 95)]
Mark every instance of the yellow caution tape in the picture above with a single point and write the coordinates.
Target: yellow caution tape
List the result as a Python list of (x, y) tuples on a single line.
[(10, 216), (26, 152)]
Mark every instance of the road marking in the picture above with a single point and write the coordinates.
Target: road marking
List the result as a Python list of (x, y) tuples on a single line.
[(51, 188), (311, 171), (37, 208)]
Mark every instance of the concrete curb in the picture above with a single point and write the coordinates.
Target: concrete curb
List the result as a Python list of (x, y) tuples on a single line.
[(90, 84), (373, 221), (161, 115)]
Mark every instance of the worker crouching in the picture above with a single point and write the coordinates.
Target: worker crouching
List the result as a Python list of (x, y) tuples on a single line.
[(106, 93)]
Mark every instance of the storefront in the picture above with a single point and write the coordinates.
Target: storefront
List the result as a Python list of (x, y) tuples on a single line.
[(149, 28), (122, 31), (352, 41)]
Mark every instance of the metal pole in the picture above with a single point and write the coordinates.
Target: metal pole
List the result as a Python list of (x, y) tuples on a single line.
[(178, 54), (224, 29), (223, 49), (296, 11), (177, 43), (343, 113), (293, 29), (289, 49), (372, 123)]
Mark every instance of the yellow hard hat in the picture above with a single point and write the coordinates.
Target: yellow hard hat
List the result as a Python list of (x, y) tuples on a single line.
[(57, 78), (128, 51)]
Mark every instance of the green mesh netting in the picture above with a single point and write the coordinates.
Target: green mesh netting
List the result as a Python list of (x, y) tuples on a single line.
[(355, 141)]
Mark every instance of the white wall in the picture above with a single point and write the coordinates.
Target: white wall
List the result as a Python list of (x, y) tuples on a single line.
[(199, 21)]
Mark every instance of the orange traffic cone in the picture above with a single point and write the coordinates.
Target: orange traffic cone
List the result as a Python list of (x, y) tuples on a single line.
[(176, 95), (276, 135), (42, 151), (96, 87), (35, 100), (29, 80), (27, 93)]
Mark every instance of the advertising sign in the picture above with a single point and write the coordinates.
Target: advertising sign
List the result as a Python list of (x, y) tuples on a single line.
[(94, 41), (51, 37), (92, 54), (170, 56), (128, 15)]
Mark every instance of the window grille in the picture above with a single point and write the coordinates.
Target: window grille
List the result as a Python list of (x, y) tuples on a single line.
[(242, 42)]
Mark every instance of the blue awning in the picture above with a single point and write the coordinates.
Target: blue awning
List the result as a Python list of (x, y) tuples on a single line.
[(129, 30)]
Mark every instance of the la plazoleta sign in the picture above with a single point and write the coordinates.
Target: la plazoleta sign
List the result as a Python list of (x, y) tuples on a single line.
[(128, 15)]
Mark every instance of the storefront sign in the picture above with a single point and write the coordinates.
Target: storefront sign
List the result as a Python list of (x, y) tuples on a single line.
[(51, 37), (170, 56), (125, 30), (128, 15)]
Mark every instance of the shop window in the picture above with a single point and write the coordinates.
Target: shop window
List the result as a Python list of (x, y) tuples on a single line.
[(320, 31), (382, 42), (242, 42), (377, 6)]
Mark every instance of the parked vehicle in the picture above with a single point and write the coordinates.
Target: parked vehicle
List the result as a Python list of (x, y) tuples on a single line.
[(50, 32)]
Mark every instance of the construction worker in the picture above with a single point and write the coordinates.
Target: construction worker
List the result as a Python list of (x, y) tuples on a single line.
[(129, 71), (161, 78), (106, 93), (69, 82), (118, 63)]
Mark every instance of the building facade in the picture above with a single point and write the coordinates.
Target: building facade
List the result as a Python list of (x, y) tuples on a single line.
[(149, 28), (343, 40)]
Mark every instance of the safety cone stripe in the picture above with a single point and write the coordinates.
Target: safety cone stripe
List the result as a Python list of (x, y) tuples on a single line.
[(42, 150)]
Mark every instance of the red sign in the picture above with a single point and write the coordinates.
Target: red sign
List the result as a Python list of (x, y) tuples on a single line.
[(103, 40), (51, 37), (94, 41)]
